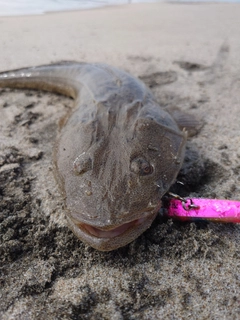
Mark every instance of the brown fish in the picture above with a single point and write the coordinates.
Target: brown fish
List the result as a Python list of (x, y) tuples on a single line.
[(117, 154)]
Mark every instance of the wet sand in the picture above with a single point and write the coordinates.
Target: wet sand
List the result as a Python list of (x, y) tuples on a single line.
[(189, 55)]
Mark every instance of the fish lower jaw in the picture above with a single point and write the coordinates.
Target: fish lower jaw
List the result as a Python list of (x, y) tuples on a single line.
[(113, 232)]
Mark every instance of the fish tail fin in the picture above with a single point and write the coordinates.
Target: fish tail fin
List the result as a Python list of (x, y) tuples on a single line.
[(60, 78)]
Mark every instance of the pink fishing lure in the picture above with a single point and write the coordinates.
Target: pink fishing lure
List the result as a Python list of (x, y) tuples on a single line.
[(209, 209)]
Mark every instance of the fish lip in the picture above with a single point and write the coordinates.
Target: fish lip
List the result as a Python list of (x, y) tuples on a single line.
[(96, 223), (109, 233), (112, 243), (114, 238)]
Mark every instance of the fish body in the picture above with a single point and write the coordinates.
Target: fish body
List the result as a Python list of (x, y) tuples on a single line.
[(117, 154)]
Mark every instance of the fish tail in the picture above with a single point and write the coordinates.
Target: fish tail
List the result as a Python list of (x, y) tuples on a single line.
[(59, 78)]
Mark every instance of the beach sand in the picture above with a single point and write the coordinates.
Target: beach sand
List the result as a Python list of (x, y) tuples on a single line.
[(189, 55)]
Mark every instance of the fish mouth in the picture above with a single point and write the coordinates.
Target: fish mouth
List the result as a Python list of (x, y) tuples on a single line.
[(111, 237), (111, 232)]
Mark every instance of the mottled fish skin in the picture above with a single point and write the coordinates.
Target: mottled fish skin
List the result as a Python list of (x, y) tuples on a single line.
[(117, 154)]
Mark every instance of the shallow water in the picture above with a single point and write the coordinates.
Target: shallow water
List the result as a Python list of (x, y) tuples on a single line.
[(26, 7)]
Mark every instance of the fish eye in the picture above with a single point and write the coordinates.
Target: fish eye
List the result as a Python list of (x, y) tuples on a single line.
[(146, 169), (82, 164), (141, 166)]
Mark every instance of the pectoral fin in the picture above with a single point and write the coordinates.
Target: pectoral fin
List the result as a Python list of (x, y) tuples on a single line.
[(185, 120)]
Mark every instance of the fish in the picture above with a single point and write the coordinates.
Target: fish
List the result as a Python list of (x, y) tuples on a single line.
[(117, 153)]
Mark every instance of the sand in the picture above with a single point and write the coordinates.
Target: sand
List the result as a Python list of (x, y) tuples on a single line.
[(189, 55)]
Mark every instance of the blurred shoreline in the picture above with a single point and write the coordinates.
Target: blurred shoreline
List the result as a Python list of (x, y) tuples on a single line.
[(27, 7), (39, 7)]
